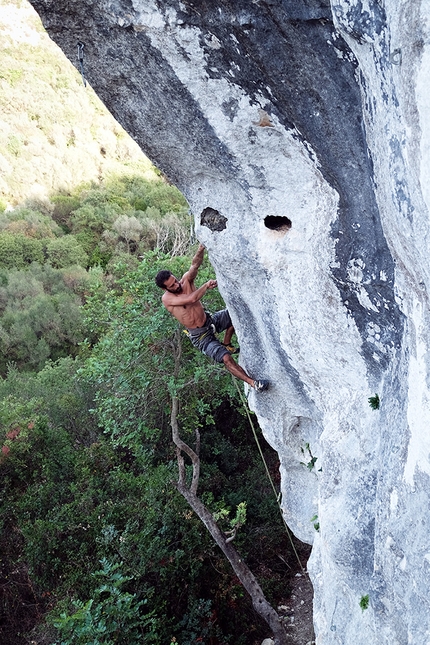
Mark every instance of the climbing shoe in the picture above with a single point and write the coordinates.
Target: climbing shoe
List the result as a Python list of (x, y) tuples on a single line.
[(260, 386), (231, 349)]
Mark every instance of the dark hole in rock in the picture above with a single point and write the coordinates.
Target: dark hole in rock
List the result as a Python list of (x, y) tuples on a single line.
[(277, 223), (213, 219)]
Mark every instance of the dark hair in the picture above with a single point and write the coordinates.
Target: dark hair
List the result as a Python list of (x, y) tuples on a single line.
[(161, 277)]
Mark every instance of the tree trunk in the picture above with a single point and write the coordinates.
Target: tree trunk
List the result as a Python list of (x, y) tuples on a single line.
[(245, 576)]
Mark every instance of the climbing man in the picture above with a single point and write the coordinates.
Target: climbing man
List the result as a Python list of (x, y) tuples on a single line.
[(182, 300)]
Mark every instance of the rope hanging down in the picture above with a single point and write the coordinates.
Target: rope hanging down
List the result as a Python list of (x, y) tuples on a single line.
[(277, 496), (81, 61)]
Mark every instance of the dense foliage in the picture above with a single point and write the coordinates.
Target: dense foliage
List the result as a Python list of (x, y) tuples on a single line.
[(96, 540)]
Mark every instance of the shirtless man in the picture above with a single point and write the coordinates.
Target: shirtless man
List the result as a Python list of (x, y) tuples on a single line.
[(182, 300)]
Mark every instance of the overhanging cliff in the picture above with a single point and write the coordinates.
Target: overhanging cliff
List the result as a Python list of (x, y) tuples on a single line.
[(299, 132)]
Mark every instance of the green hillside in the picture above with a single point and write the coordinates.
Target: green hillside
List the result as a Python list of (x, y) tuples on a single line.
[(54, 132)]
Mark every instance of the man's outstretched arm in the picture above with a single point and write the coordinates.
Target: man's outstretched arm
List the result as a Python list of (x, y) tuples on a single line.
[(176, 300), (191, 274)]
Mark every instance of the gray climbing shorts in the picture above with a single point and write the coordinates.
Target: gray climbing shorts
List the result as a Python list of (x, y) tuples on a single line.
[(204, 337)]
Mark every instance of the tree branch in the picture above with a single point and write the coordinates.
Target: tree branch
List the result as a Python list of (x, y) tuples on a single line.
[(246, 577)]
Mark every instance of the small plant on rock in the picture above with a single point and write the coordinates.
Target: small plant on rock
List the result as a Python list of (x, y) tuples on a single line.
[(311, 463), (364, 602), (374, 402)]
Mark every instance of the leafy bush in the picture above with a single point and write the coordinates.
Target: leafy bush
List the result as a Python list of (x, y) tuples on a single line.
[(55, 392), (169, 235), (94, 216), (88, 476), (66, 251), (64, 205), (134, 356), (111, 617), (199, 623), (40, 314), (30, 223), (142, 194), (18, 251)]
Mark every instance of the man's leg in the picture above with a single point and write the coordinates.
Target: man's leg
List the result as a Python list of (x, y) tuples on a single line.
[(215, 350), (228, 335), (236, 370), (223, 323)]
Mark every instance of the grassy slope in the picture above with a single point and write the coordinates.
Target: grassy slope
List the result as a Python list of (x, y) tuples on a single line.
[(54, 133)]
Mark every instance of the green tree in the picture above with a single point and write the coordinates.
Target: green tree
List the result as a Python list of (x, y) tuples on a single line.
[(66, 251), (129, 229), (94, 217), (145, 373), (133, 356), (64, 205), (141, 193), (89, 475), (29, 222), (40, 314), (18, 251)]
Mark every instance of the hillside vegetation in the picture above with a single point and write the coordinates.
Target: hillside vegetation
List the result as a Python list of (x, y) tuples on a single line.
[(54, 132)]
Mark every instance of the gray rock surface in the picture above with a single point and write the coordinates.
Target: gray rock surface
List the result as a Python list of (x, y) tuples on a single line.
[(299, 131)]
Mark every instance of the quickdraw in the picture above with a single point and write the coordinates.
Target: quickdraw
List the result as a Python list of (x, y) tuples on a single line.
[(81, 61)]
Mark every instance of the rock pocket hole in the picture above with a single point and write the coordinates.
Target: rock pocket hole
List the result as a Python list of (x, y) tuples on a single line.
[(277, 223), (213, 219)]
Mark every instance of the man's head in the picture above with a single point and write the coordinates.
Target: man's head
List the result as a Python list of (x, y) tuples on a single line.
[(161, 278), (166, 280)]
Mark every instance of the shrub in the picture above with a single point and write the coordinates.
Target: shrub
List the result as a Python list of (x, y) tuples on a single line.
[(35, 324), (18, 251), (129, 229), (111, 616), (95, 218), (66, 251), (30, 223), (169, 234), (64, 205)]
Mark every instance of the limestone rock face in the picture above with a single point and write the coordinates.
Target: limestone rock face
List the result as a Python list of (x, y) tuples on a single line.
[(299, 131)]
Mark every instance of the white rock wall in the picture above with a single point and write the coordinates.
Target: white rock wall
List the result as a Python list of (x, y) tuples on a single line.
[(395, 70)]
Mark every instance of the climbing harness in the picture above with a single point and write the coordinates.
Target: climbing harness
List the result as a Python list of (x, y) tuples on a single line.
[(277, 496), (231, 349), (208, 329), (81, 61)]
